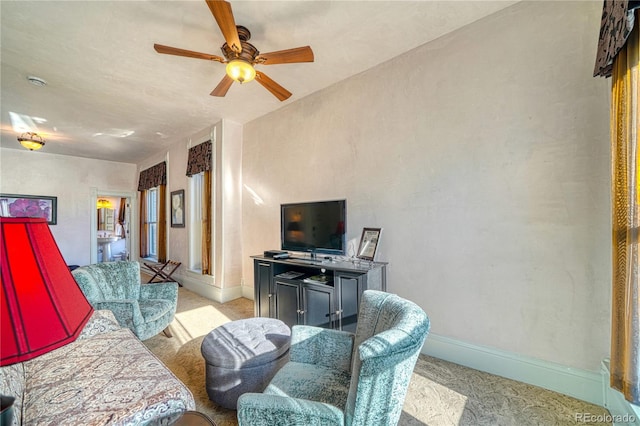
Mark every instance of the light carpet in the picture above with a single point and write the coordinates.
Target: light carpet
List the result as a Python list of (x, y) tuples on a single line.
[(440, 394)]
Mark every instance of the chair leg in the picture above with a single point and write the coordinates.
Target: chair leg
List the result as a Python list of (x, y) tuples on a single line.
[(167, 332)]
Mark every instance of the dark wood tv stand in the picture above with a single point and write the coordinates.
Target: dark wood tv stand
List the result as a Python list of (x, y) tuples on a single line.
[(282, 289)]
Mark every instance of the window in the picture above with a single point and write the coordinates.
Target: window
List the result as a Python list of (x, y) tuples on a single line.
[(153, 212), (152, 222), (195, 229), (199, 165)]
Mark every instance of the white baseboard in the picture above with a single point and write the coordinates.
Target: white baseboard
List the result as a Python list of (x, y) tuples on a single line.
[(581, 384), (247, 292), (205, 288)]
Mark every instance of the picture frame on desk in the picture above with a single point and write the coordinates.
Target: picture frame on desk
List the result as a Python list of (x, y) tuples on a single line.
[(369, 243)]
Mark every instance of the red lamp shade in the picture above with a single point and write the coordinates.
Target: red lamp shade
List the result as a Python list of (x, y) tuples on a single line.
[(41, 306)]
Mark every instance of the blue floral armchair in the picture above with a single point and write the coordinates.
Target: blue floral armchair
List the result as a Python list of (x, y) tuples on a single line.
[(338, 378), (145, 309)]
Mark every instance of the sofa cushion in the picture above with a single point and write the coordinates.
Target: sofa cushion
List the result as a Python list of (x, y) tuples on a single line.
[(111, 378), (12, 377), (102, 321), (12, 383)]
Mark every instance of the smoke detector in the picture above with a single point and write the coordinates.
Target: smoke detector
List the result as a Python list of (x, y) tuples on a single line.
[(36, 81)]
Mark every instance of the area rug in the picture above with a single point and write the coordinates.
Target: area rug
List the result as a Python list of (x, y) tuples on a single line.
[(195, 318), (440, 394)]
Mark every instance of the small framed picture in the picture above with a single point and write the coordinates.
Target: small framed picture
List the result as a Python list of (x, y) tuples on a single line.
[(369, 243), (177, 209), (13, 205)]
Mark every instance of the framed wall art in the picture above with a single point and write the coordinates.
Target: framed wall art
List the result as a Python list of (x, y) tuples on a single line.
[(14, 205), (369, 243), (177, 209)]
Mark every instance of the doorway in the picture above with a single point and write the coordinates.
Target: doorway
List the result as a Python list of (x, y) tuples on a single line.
[(112, 225)]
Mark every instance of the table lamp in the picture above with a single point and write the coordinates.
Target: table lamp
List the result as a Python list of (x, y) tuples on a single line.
[(41, 306)]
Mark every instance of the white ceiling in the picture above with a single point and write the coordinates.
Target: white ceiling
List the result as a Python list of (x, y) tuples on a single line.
[(111, 96)]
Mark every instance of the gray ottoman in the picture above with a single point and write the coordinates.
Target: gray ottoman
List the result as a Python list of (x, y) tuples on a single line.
[(243, 356)]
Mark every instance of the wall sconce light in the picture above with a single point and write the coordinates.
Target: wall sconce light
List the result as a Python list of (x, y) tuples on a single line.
[(31, 141)]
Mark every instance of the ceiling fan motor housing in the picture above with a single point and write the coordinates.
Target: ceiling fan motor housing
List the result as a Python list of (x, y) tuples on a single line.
[(249, 51)]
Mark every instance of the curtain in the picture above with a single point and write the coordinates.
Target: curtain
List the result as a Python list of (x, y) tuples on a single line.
[(206, 224), (155, 176), (144, 250), (625, 334), (122, 216), (200, 158), (616, 25), (162, 224)]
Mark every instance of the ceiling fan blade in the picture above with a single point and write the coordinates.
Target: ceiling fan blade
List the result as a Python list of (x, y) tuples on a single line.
[(188, 53), (221, 10), (289, 56), (222, 87), (275, 89)]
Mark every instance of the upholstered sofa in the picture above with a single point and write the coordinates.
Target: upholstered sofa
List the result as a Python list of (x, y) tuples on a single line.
[(146, 309), (106, 376)]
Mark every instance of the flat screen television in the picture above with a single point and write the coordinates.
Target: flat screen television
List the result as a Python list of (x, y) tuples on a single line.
[(316, 227)]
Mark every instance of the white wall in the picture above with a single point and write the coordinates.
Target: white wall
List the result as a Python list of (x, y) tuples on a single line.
[(484, 156), (71, 179), (229, 166)]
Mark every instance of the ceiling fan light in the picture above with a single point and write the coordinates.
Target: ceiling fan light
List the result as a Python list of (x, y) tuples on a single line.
[(31, 141), (241, 71)]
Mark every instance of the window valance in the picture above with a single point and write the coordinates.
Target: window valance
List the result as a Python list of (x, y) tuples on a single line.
[(615, 27), (153, 176), (199, 158)]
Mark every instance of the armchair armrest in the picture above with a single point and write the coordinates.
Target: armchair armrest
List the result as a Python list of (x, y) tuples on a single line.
[(167, 291), (127, 311), (266, 410), (391, 347), (311, 345)]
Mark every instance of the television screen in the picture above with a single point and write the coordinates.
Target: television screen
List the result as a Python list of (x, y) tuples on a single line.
[(314, 226)]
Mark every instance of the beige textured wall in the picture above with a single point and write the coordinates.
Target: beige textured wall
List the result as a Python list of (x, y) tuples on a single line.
[(484, 156), (230, 202), (71, 179)]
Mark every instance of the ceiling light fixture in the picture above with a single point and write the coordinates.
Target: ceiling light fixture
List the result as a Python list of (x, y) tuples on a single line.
[(31, 141), (104, 204), (241, 71)]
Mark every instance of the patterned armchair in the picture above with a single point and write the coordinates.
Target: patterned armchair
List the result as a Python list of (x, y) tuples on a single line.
[(337, 378), (144, 309)]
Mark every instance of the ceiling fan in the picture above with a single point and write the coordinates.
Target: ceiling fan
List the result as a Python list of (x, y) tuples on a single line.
[(240, 55)]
